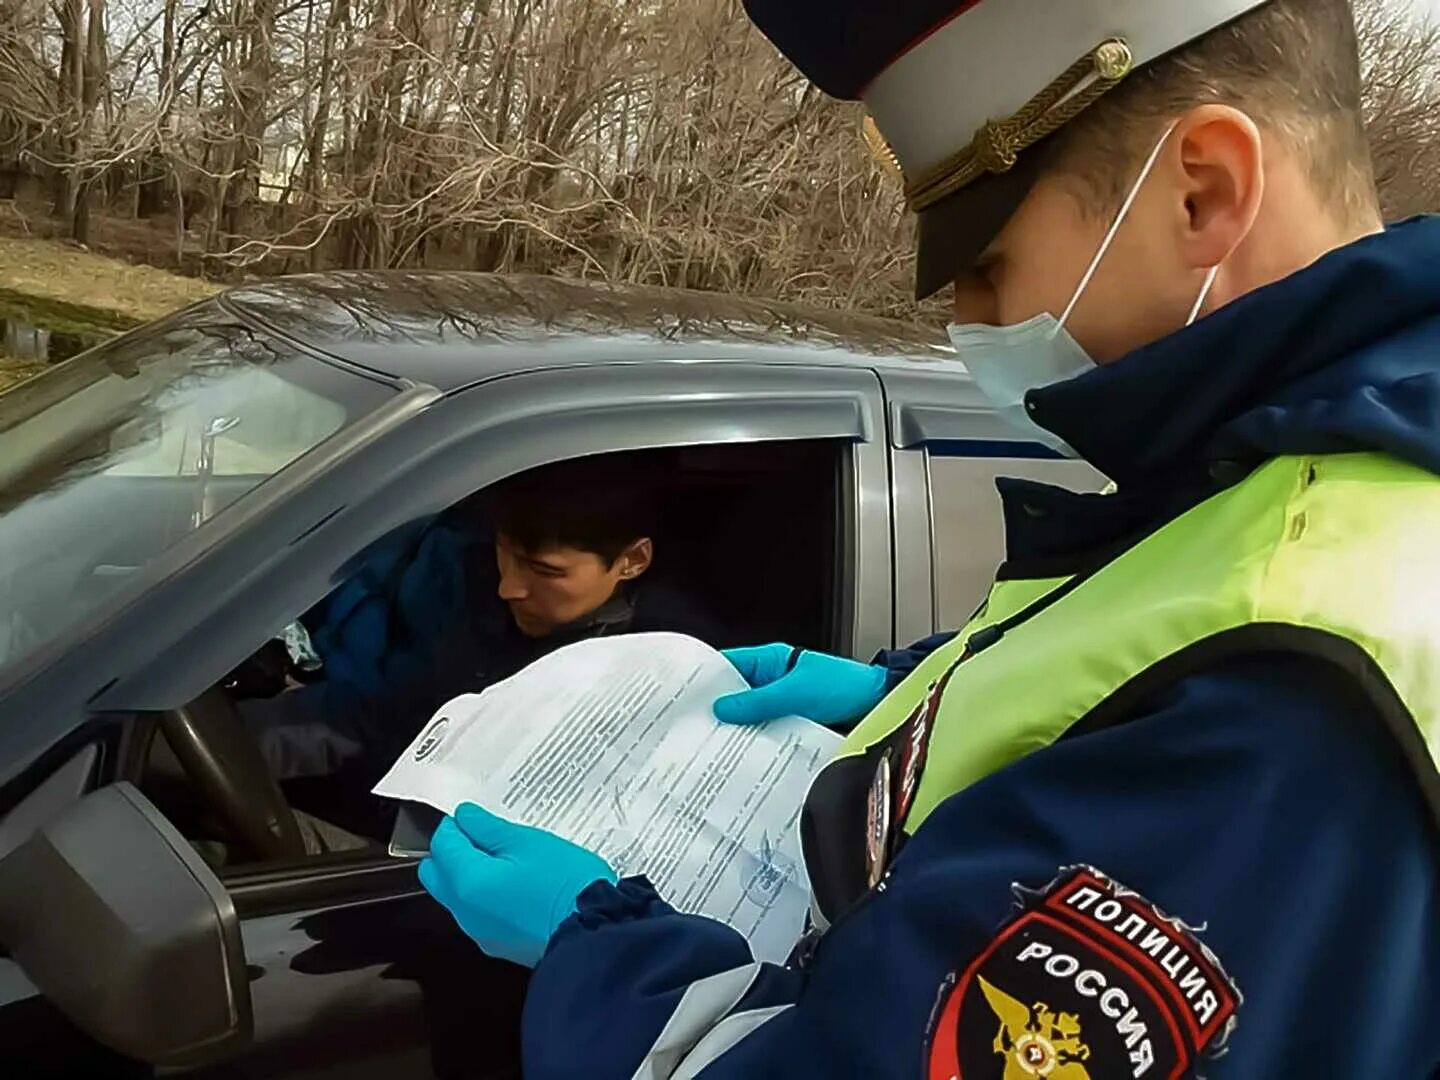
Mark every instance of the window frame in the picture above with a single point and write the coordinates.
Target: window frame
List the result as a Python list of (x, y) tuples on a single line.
[(468, 441), (937, 414), (203, 619)]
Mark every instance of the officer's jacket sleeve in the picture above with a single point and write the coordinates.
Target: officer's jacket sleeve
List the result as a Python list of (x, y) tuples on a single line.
[(630, 987), (899, 663), (1259, 802)]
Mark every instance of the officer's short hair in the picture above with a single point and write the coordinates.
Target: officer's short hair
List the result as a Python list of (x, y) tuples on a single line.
[(599, 504), (1292, 65)]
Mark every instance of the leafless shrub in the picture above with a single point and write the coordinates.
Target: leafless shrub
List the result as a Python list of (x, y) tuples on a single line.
[(635, 140)]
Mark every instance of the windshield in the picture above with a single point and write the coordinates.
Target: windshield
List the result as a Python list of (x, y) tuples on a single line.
[(110, 459)]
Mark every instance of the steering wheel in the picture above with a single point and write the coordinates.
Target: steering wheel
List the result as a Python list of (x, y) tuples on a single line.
[(223, 761)]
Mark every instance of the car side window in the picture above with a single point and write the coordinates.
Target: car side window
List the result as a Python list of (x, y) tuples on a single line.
[(966, 526), (257, 426), (420, 618)]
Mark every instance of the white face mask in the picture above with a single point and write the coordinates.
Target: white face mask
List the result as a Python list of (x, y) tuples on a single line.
[(1007, 362)]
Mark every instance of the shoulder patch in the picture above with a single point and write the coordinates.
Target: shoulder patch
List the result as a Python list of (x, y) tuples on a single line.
[(1089, 979)]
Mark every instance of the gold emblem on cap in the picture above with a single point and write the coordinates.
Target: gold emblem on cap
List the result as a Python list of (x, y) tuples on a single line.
[(1113, 60), (996, 147)]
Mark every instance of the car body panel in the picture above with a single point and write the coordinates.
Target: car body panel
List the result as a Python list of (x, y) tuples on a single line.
[(451, 330), (947, 447)]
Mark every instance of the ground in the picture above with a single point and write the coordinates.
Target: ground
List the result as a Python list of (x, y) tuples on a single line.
[(62, 287), (53, 273), (15, 371)]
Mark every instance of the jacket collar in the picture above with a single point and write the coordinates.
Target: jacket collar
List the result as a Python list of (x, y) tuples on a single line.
[(1341, 356)]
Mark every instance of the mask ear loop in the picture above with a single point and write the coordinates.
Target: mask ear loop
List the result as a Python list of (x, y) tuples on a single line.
[(1204, 292), (1115, 227)]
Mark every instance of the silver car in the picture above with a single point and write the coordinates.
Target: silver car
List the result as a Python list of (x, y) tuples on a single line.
[(173, 500)]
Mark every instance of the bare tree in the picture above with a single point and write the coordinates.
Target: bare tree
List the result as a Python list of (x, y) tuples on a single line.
[(659, 141), (1402, 107)]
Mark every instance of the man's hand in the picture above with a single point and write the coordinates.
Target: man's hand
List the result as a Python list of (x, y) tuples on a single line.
[(786, 681), (509, 886)]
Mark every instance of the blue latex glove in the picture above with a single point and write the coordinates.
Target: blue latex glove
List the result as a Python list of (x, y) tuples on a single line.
[(827, 689), (509, 886)]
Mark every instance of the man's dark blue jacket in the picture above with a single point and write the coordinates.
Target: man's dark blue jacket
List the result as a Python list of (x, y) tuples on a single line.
[(1261, 802), (417, 623)]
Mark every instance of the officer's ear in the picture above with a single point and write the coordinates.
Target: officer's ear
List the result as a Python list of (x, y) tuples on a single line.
[(1222, 182)]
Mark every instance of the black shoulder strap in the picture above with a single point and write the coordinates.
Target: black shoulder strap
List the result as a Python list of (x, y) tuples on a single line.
[(1373, 686)]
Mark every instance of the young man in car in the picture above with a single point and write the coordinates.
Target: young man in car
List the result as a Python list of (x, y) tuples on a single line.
[(550, 557), (1172, 794)]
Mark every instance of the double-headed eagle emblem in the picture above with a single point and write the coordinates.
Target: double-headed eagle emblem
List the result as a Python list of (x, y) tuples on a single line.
[(1034, 1041)]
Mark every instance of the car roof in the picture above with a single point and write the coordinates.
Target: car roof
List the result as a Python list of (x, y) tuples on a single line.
[(453, 329)]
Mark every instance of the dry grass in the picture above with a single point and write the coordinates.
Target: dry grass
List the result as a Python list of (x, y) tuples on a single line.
[(62, 287), (16, 371), (114, 292)]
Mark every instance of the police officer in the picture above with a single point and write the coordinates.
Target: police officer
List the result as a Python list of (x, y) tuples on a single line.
[(1167, 805)]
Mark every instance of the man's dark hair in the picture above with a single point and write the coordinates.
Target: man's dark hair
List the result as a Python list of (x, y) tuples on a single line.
[(1291, 65), (597, 504)]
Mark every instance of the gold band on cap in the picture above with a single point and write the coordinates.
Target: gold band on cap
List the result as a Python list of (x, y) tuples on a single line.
[(997, 145)]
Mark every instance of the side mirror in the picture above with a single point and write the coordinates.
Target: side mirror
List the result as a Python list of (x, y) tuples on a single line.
[(121, 925)]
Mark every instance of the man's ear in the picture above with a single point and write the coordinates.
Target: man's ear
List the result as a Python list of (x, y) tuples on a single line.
[(1222, 167), (636, 559)]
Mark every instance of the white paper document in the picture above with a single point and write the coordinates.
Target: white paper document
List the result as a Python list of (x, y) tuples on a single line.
[(611, 743)]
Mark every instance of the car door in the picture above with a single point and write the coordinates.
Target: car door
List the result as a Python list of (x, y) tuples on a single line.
[(367, 977), (947, 446), (354, 972)]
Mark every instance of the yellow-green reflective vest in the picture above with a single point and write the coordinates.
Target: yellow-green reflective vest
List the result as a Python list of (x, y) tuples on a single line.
[(1336, 556)]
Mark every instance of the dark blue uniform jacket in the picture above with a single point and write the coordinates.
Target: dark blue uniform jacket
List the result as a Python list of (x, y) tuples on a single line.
[(1261, 802)]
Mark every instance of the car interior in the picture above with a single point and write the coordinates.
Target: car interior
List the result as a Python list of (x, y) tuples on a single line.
[(741, 526)]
